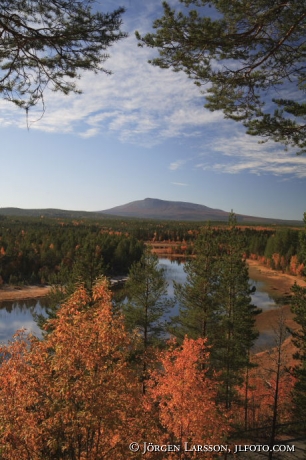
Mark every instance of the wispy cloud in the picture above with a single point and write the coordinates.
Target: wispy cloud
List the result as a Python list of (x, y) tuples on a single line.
[(243, 153), (180, 184), (177, 165), (138, 103), (144, 105)]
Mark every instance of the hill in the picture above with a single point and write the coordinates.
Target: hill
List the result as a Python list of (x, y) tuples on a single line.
[(149, 208), (154, 208), (49, 212)]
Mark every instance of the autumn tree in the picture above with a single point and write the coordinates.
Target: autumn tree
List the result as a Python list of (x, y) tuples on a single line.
[(278, 378), (270, 386), (249, 54), (298, 307), (146, 305), (185, 396), (50, 43), (72, 395)]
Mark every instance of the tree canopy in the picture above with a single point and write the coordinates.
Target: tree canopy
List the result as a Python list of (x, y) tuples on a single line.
[(250, 54), (48, 43)]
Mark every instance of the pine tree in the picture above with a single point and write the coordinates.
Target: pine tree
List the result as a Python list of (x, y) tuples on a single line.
[(147, 304), (250, 54), (216, 304), (198, 313), (49, 43), (236, 333)]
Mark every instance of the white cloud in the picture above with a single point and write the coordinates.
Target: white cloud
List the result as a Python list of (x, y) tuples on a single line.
[(144, 105), (243, 153), (180, 184), (177, 165), (138, 103)]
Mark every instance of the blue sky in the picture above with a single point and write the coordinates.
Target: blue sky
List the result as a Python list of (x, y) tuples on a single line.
[(142, 132)]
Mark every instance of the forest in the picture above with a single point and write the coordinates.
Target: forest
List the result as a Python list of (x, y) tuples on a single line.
[(47, 251), (132, 382), (111, 379)]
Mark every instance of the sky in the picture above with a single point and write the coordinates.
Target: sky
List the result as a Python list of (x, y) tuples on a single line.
[(142, 132)]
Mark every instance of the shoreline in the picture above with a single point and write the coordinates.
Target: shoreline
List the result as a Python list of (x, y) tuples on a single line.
[(277, 282), (278, 286), (11, 293)]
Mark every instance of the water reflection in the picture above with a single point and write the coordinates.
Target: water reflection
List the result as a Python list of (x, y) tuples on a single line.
[(260, 298), (19, 315), (175, 272)]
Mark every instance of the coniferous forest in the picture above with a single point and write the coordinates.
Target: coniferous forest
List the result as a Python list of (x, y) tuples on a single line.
[(133, 384), (44, 251), (111, 378)]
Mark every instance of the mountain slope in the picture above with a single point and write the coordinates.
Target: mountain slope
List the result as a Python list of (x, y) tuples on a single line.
[(150, 208), (154, 208)]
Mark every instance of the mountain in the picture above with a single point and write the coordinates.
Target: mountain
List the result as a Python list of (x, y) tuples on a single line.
[(154, 208), (150, 208)]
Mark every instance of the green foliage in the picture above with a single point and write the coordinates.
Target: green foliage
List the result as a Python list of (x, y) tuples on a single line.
[(55, 253), (283, 242), (49, 43), (147, 300), (247, 51), (236, 327), (198, 314), (144, 311), (216, 304)]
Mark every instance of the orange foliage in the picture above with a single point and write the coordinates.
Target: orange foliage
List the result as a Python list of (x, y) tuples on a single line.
[(276, 259), (261, 399), (293, 264), (262, 387), (295, 267), (186, 398), (71, 395)]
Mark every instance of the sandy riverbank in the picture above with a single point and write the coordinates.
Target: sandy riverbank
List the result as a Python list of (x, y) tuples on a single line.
[(278, 286), (25, 292), (277, 281)]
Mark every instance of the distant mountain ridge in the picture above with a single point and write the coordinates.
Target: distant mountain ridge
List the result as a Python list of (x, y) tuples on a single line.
[(154, 208), (149, 208)]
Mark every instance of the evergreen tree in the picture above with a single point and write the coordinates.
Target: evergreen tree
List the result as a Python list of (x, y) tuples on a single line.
[(216, 304), (236, 333), (146, 306), (198, 313), (49, 43), (250, 53)]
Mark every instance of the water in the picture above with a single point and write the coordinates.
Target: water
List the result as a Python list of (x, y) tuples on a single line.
[(175, 271), (18, 315)]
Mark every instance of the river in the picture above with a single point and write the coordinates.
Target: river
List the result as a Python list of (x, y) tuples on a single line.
[(17, 315)]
